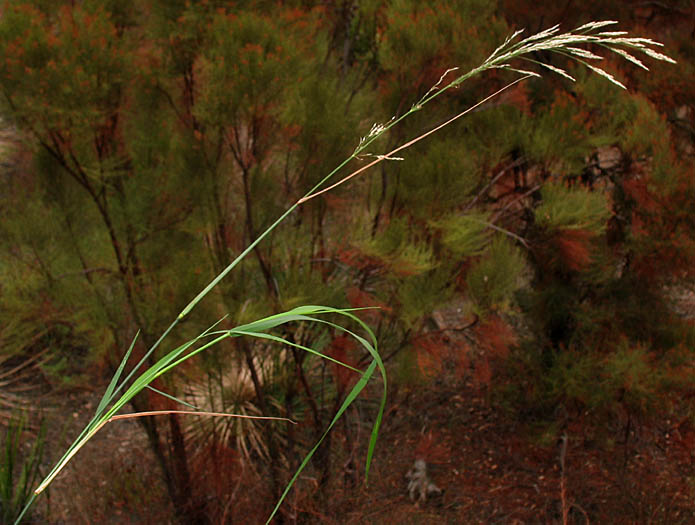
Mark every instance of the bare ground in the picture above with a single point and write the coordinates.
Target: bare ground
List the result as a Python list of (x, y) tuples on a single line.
[(489, 467)]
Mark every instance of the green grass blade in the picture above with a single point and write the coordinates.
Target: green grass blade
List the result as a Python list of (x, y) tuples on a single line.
[(106, 399), (359, 386), (173, 398), (277, 339), (382, 369), (19, 492), (29, 503), (7, 467), (100, 420), (371, 348)]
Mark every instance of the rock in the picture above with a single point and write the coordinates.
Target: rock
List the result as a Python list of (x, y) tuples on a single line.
[(419, 484)]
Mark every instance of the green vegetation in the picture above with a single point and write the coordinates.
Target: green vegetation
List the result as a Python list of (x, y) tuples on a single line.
[(168, 148), (19, 469)]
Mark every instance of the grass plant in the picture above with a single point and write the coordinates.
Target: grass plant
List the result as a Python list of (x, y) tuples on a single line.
[(19, 469), (122, 390)]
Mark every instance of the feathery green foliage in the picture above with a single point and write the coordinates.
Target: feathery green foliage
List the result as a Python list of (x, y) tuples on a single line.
[(496, 276), (571, 208), (182, 142)]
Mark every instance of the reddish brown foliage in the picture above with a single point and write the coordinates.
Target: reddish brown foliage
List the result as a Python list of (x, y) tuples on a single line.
[(463, 360), (572, 248), (517, 97), (495, 335), (638, 189), (342, 348), (361, 299), (433, 447), (356, 259), (430, 353), (482, 372), (217, 467)]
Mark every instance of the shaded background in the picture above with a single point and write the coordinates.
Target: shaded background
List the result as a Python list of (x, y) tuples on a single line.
[(533, 262)]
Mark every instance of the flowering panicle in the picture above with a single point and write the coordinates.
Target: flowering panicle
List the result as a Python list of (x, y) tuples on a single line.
[(566, 44), (549, 40)]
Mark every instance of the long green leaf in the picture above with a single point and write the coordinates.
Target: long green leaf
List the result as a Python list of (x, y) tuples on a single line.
[(106, 398), (277, 339), (359, 386)]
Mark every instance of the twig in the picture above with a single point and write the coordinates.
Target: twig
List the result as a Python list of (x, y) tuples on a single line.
[(563, 484), (503, 171)]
